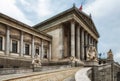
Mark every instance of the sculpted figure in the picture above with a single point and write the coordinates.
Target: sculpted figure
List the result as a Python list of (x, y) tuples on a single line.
[(74, 59), (92, 54), (36, 61), (110, 55)]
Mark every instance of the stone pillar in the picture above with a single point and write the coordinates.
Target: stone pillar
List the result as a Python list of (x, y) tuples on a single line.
[(61, 42), (86, 45), (33, 47), (82, 44), (7, 50), (96, 45), (49, 54), (78, 42), (21, 44), (42, 49), (89, 40), (73, 38)]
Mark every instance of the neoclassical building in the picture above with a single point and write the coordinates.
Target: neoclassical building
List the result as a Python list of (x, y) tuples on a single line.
[(67, 34)]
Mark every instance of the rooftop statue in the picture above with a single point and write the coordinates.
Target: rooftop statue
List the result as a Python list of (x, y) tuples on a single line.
[(110, 55)]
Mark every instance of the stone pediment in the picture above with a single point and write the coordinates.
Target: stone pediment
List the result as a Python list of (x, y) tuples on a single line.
[(66, 16)]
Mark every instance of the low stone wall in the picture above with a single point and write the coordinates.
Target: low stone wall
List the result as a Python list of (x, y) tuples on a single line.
[(106, 72), (82, 74), (7, 71), (53, 75), (46, 68)]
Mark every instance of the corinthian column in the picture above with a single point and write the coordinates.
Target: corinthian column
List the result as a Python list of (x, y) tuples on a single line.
[(82, 44), (7, 50), (73, 38), (78, 42)]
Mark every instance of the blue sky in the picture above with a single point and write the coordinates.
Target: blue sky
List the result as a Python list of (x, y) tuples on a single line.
[(105, 13)]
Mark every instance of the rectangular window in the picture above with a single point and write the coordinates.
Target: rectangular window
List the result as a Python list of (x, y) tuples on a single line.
[(27, 49), (1, 41), (14, 46), (37, 50), (45, 52)]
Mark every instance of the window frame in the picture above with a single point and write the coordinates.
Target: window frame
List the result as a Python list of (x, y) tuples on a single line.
[(1, 49), (17, 51), (25, 49)]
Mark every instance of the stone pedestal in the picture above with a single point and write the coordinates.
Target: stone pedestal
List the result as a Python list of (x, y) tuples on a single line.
[(91, 63), (37, 69)]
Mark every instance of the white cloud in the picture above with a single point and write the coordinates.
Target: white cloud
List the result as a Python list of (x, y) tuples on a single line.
[(106, 16), (43, 8), (101, 8), (117, 57), (9, 8)]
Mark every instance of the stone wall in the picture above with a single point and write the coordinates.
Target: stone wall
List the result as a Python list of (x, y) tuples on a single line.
[(11, 63), (7, 71), (56, 55), (106, 72)]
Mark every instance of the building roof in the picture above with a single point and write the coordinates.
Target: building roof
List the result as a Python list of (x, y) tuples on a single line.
[(22, 24), (83, 16)]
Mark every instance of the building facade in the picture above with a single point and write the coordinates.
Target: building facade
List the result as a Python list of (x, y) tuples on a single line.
[(67, 34), (73, 32), (19, 43)]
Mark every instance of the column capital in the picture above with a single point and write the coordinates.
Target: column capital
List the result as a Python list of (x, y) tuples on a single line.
[(72, 21), (8, 27)]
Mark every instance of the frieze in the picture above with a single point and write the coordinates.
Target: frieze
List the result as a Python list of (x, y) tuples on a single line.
[(2, 33), (36, 43), (26, 40), (15, 37)]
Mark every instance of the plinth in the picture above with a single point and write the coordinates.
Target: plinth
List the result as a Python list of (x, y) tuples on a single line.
[(91, 63)]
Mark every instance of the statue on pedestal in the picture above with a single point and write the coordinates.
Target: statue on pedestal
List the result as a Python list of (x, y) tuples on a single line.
[(92, 54), (110, 55), (36, 61)]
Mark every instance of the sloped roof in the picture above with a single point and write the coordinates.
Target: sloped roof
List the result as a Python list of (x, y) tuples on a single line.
[(83, 16), (22, 24)]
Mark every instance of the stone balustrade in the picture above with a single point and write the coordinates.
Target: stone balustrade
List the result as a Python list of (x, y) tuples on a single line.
[(53, 75)]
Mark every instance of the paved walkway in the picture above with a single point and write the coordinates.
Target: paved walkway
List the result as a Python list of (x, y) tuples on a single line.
[(54, 75), (81, 75)]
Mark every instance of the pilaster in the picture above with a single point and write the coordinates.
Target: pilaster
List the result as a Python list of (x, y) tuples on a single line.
[(21, 44), (7, 41), (33, 47)]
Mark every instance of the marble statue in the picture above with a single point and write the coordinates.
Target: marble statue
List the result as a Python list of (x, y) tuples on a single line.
[(36, 61), (110, 55), (91, 54)]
